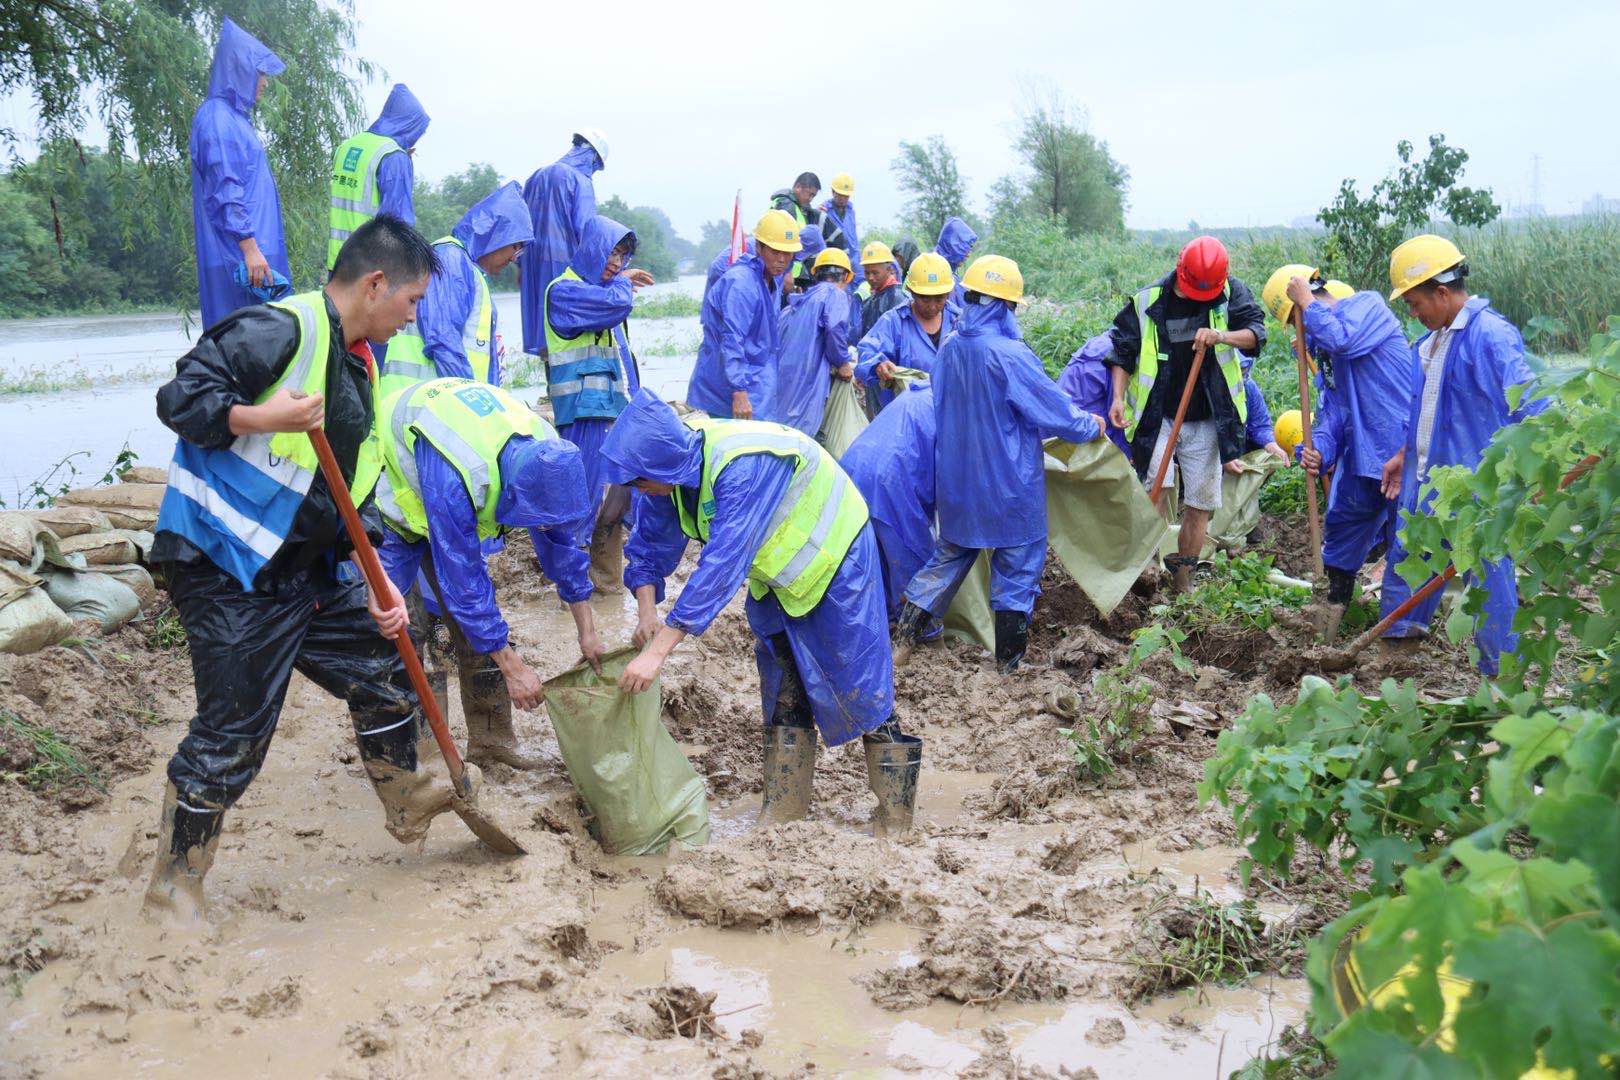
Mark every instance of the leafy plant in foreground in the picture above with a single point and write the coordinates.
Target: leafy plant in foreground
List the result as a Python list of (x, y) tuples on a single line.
[(1240, 591)]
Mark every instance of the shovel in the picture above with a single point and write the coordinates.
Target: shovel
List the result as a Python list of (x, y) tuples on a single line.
[(1175, 428), (1305, 430), (464, 803)]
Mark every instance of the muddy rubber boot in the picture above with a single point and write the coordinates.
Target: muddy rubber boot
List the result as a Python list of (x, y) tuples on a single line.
[(413, 790), (908, 631), (892, 768), (491, 737), (187, 838), (1012, 639), (790, 770), (1327, 617), (607, 559)]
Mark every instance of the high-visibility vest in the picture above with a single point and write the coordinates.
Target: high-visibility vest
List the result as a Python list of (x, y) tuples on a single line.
[(236, 504), (466, 421), (356, 198), (1151, 356), (812, 526), (407, 361), (585, 374)]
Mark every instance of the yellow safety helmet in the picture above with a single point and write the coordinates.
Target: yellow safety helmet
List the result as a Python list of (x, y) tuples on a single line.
[(1422, 258), (777, 230), (930, 275), (831, 257), (1288, 432), (1338, 289), (843, 184), (995, 275), (1275, 294), (876, 252)]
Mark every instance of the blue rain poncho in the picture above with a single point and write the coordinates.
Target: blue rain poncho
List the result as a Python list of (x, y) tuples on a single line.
[(956, 240), (542, 490), (1370, 381), (404, 120), (809, 236), (892, 465), (841, 646), (561, 200), (1088, 382), (585, 307), (994, 404), (814, 329), (1258, 431), (848, 234), (1484, 361), (233, 193), (741, 339), (496, 220), (898, 338)]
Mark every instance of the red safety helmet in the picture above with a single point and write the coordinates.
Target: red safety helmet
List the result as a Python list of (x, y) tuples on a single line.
[(1201, 268)]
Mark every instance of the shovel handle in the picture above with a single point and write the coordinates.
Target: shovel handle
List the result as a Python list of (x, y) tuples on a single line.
[(1175, 428), (1314, 519), (376, 580)]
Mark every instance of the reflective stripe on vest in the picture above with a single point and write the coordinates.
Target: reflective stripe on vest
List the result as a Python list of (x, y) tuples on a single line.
[(1140, 384), (466, 421), (407, 362), (355, 195), (813, 524), (236, 504), (585, 375)]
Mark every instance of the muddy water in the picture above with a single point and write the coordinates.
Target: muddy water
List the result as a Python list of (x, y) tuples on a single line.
[(114, 362)]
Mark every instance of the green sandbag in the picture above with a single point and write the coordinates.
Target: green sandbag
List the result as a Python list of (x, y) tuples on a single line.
[(1098, 521), (844, 418), (640, 789), (86, 595), (1231, 525)]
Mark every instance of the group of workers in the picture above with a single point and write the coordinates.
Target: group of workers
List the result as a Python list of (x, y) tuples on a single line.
[(849, 562)]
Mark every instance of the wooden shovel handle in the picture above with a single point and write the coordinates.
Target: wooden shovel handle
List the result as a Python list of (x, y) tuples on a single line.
[(1175, 428)]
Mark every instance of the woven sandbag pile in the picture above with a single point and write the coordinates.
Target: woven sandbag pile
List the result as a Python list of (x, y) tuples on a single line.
[(84, 557)]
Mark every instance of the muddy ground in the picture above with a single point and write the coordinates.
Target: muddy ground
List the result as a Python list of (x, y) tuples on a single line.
[(1019, 931)]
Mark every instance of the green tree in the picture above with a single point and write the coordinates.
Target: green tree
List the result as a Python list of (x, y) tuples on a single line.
[(715, 237), (927, 173), (1363, 230), (653, 252), (1071, 176)]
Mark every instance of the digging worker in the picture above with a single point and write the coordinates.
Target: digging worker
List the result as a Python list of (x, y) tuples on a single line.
[(591, 371), (249, 539), (908, 335), (769, 505), (815, 349), (735, 373), (881, 271), (372, 172), (463, 461), (235, 208), (1365, 381), (838, 216), (561, 199), (1467, 366), (1155, 334), (454, 332), (993, 404)]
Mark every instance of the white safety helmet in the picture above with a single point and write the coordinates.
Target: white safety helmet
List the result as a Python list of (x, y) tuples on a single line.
[(597, 140)]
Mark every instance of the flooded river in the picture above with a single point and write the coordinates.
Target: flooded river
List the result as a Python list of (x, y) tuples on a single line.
[(88, 383)]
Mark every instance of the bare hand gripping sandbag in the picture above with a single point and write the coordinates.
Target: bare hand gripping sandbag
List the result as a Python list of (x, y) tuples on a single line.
[(640, 789)]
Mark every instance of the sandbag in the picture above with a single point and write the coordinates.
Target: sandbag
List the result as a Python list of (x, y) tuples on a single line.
[(86, 595), (144, 540), (136, 577), (29, 621), (102, 549), (844, 418), (1230, 526), (66, 521), (127, 506), (144, 474), (641, 791), (17, 536)]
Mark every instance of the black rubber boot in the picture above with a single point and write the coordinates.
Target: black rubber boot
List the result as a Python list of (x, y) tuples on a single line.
[(893, 764), (908, 631), (1012, 638), (188, 836), (790, 771)]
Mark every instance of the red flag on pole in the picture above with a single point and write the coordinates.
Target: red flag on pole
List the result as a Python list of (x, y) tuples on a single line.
[(736, 229)]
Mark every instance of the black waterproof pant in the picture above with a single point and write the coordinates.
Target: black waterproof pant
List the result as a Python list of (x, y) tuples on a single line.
[(245, 647)]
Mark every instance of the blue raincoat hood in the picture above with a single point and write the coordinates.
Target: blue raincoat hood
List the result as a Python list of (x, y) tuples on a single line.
[(990, 316), (956, 239), (584, 158), (596, 242), (239, 60), (498, 219), (543, 484), (402, 118), (649, 442), (814, 244), (1098, 348)]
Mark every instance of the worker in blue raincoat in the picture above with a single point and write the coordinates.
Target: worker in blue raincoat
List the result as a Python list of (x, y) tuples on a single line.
[(1467, 367), (561, 200), (405, 121), (838, 217), (372, 171), (812, 245), (591, 371), (771, 507), (993, 404), (956, 240), (1087, 381), (442, 441), (815, 349), (909, 336), (235, 209), (735, 373)]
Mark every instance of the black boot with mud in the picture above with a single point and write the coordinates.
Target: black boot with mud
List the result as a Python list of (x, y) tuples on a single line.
[(893, 764), (188, 836), (790, 744), (1012, 640), (413, 791), (908, 631)]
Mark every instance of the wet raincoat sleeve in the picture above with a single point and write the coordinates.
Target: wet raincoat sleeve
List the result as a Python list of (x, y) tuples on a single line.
[(739, 314), (655, 545), (878, 345), (745, 496), (458, 559), (579, 307), (1327, 426), (1258, 426), (396, 178), (233, 363), (444, 310), (565, 560), (1126, 335), (1043, 406), (224, 161), (834, 335)]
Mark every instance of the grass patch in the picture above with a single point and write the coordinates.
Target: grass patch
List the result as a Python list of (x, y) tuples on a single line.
[(1240, 593), (667, 306), (684, 347), (50, 761), (1190, 940), (166, 631), (57, 380)]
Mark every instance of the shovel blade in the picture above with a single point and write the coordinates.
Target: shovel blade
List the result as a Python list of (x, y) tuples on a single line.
[(485, 828)]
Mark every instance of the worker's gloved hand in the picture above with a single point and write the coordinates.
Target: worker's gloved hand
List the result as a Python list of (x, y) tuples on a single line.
[(845, 371), (1312, 460), (1116, 412), (392, 620), (741, 407)]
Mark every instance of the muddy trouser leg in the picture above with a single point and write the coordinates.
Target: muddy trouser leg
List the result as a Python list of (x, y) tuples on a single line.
[(790, 736), (930, 592), (1015, 582), (432, 639), (607, 540)]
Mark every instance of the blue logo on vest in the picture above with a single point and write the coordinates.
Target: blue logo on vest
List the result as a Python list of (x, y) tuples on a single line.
[(351, 159), (479, 400)]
